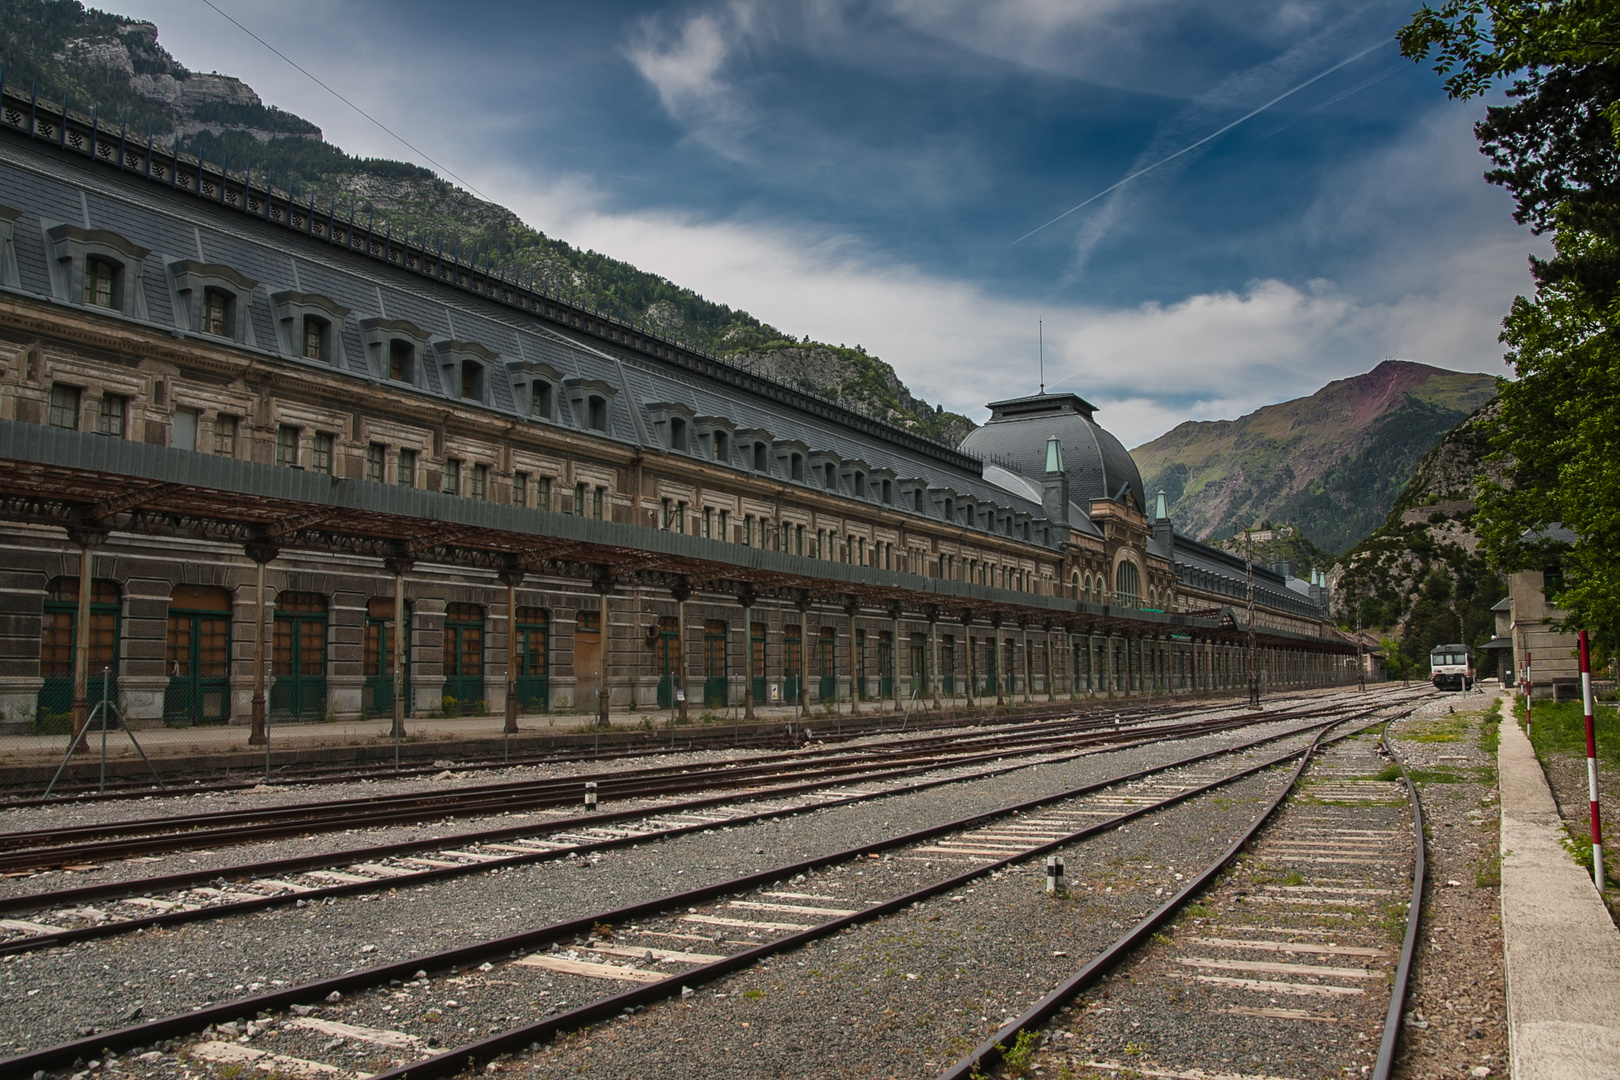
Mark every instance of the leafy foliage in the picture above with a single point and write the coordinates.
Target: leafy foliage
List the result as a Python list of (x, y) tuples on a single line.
[(1557, 150)]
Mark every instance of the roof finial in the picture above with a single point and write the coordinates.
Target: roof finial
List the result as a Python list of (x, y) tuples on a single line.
[(1040, 331)]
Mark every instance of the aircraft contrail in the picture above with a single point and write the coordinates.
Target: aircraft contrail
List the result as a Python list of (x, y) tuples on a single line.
[(1212, 135)]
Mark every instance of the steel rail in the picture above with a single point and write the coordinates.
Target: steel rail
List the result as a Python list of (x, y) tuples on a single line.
[(344, 808), (528, 795), (422, 877), (853, 729), (989, 1053), (1414, 914), (453, 1060)]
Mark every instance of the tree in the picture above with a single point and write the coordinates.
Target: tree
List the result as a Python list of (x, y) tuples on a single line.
[(1556, 148)]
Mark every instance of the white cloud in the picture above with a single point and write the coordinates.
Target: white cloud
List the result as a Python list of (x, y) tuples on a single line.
[(684, 71), (1211, 355)]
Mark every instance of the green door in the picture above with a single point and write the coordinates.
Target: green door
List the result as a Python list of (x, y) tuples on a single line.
[(53, 710), (197, 655), (827, 652), (533, 659), (756, 660), (1015, 677), (715, 690), (298, 658), (669, 659), (792, 662), (885, 660), (947, 665), (377, 695), (463, 658), (987, 678)]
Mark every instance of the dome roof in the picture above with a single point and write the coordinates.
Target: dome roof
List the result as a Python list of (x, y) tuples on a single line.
[(1099, 467)]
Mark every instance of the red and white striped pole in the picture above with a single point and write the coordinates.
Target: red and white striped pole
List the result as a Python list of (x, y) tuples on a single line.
[(1591, 763), (1529, 689)]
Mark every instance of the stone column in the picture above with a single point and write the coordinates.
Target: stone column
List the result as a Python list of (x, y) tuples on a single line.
[(261, 554), (511, 577), (399, 567), (88, 540)]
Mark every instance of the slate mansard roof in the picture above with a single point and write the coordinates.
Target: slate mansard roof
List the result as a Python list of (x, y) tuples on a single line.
[(203, 218), (1098, 465)]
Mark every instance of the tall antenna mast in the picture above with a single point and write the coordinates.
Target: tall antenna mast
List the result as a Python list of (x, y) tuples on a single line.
[(1040, 331)]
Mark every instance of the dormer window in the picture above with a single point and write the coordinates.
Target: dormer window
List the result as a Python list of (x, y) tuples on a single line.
[(472, 380), (831, 476), (306, 326), (761, 458), (722, 447), (950, 510), (96, 268), (316, 331), (542, 399), (100, 278), (677, 433), (207, 299), (401, 360), (888, 493), (917, 501), (860, 485), (218, 311), (597, 413)]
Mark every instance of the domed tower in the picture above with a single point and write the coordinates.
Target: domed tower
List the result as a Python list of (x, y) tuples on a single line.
[(1097, 465)]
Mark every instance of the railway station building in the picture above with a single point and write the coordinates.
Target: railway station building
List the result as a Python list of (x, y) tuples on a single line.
[(259, 458)]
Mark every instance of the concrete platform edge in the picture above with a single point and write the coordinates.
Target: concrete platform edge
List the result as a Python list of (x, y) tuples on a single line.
[(1561, 950)]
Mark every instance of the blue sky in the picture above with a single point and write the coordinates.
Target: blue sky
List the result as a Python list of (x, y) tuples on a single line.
[(862, 173)]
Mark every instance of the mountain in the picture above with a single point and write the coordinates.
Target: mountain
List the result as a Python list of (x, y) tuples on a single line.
[(1419, 576), (99, 61), (1331, 464)]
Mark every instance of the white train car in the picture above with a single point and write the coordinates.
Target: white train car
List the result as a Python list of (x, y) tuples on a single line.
[(1451, 667)]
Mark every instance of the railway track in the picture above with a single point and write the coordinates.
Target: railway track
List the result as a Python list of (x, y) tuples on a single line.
[(61, 917), (687, 939), (1303, 951), (795, 734), (41, 848)]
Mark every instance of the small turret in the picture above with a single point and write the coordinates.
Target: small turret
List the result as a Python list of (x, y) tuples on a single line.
[(1055, 484)]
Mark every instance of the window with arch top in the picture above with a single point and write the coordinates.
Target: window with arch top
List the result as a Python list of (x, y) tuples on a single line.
[(1128, 584)]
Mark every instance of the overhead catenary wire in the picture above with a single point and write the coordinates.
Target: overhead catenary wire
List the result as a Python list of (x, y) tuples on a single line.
[(313, 78)]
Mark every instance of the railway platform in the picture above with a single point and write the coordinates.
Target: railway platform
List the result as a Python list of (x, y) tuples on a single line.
[(1562, 948)]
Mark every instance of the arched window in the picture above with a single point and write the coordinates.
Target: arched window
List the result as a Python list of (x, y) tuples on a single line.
[(59, 638), (316, 331), (1127, 584), (464, 656), (401, 360), (533, 627), (298, 657), (472, 380), (198, 657)]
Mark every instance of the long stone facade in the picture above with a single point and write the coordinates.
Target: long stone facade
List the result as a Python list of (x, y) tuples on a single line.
[(734, 537)]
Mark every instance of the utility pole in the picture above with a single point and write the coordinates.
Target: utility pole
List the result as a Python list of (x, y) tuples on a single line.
[(1361, 660), (1254, 651)]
